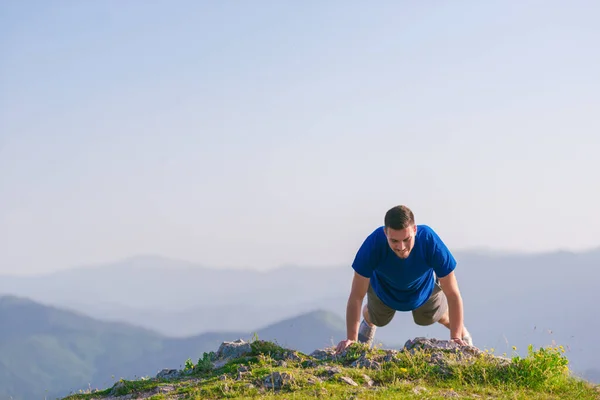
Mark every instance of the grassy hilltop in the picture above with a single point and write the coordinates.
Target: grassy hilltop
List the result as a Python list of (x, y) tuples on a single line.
[(263, 369)]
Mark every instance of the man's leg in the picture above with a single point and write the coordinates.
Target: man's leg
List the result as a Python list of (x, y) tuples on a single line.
[(434, 310), (375, 313)]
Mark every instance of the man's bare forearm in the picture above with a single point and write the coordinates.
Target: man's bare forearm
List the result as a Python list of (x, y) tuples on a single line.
[(455, 311), (353, 310)]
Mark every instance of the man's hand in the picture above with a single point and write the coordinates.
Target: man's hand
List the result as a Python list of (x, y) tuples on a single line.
[(343, 345), (459, 341)]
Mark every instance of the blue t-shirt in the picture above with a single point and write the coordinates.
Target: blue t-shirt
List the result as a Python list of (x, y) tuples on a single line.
[(404, 284)]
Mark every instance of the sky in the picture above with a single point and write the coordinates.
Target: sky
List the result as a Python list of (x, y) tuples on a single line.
[(269, 133)]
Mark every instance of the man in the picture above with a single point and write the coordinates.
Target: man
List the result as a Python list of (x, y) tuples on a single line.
[(403, 267)]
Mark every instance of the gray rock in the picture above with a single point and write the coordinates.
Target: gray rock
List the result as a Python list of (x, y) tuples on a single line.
[(292, 356), (422, 343), (323, 354), (281, 363), (437, 349), (164, 389), (168, 374), (231, 350), (243, 368), (332, 370), (348, 380), (241, 375), (390, 355), (277, 380), (313, 380), (428, 344), (364, 362)]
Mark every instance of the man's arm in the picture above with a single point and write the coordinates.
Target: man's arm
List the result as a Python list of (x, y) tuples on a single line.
[(455, 305), (360, 285)]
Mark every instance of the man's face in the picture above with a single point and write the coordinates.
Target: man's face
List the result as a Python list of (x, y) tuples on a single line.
[(401, 241)]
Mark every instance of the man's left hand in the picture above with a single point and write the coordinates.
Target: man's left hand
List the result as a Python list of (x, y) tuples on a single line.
[(459, 341)]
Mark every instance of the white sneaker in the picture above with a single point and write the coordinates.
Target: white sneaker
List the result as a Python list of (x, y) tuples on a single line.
[(468, 339)]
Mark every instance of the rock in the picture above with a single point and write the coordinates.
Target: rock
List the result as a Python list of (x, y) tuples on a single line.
[(332, 370), (441, 346), (277, 380), (243, 368), (232, 350), (309, 364), (364, 362), (229, 351), (368, 381), (323, 354), (168, 374), (292, 356), (164, 389), (348, 380), (450, 393), (313, 380), (390, 355), (428, 344), (445, 353)]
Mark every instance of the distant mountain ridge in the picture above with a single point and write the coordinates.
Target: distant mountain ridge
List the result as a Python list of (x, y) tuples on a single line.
[(47, 351), (182, 285)]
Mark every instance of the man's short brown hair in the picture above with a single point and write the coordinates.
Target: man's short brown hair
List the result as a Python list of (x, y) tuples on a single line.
[(399, 217)]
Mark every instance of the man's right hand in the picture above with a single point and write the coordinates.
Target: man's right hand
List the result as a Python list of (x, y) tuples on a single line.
[(343, 345)]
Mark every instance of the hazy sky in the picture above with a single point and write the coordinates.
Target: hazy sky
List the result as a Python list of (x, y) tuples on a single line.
[(263, 133)]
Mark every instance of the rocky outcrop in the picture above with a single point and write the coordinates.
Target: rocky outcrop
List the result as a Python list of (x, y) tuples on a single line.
[(259, 367), (439, 352), (231, 350), (250, 369)]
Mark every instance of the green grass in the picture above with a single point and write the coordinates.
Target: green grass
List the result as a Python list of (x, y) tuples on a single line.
[(542, 374)]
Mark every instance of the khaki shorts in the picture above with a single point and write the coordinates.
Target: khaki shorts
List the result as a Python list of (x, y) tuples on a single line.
[(430, 312)]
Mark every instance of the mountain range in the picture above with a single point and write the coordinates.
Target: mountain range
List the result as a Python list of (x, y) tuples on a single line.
[(48, 352)]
